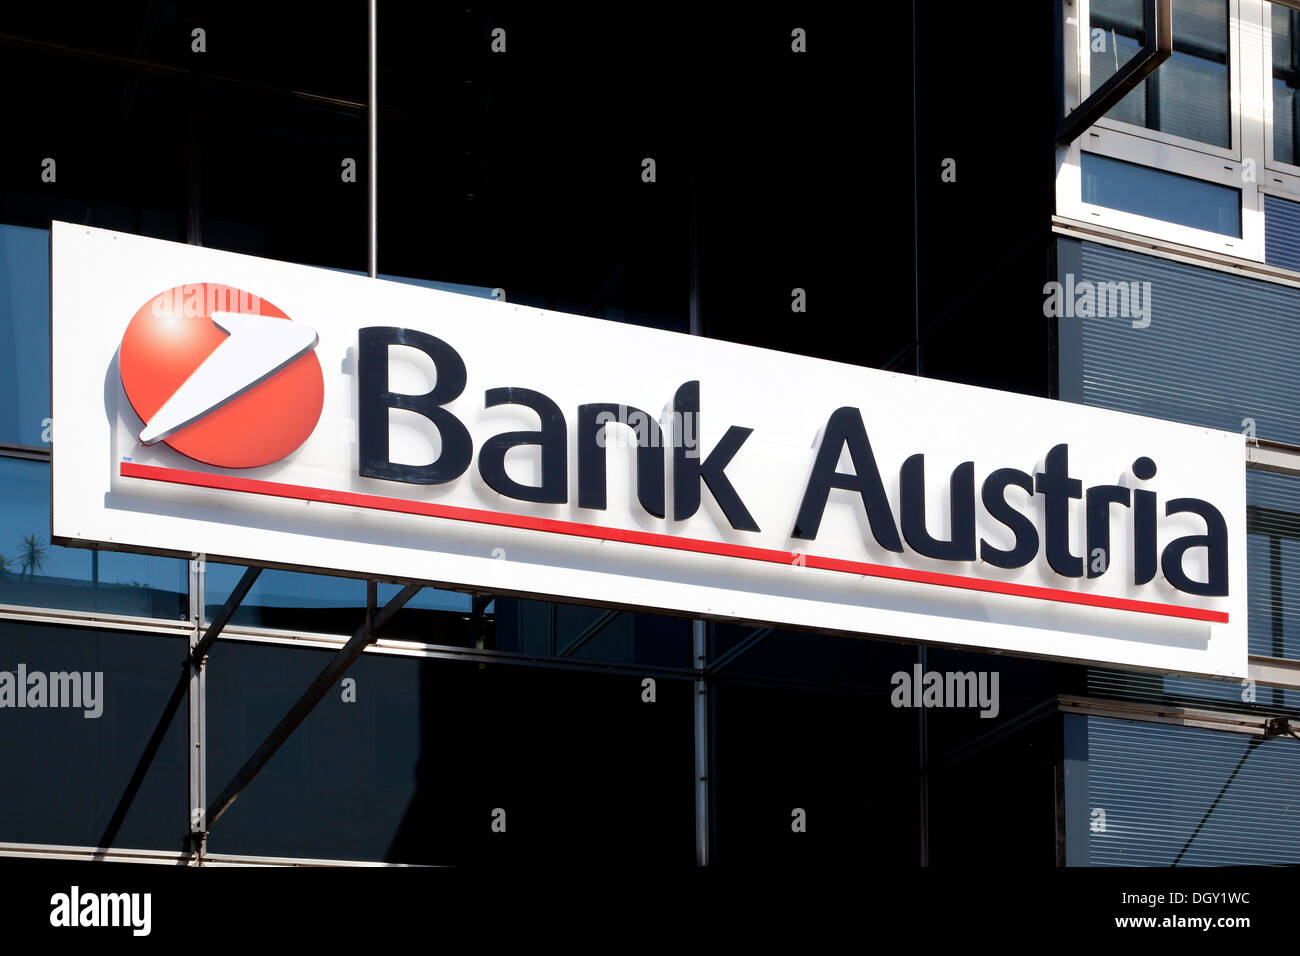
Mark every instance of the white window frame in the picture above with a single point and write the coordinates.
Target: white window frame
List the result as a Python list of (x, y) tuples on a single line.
[(1279, 178), (1240, 166)]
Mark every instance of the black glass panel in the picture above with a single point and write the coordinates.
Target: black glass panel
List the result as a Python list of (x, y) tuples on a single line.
[(413, 770), (68, 770)]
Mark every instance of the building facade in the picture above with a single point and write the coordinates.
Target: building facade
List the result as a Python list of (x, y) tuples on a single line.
[(698, 175)]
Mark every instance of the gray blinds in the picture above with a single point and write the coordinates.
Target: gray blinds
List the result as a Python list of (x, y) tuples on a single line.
[(1221, 350), (1282, 230), (1143, 794)]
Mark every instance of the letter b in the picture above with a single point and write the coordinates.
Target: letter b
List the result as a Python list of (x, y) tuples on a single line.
[(374, 400)]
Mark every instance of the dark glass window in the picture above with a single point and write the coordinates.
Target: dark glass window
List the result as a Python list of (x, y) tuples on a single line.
[(740, 650), (581, 633), (530, 177), (1014, 821), (843, 766), (247, 41), (413, 770), (297, 601), (67, 773), (273, 177), (118, 140)]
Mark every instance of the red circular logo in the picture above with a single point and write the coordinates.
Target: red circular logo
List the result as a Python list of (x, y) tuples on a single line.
[(221, 375)]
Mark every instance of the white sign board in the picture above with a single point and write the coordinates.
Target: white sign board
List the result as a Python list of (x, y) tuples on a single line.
[(262, 412)]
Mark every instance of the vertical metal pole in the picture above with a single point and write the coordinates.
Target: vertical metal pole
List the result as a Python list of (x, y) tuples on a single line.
[(697, 323), (699, 633), (916, 213), (923, 769), (372, 593), (923, 726), (372, 171), (702, 729), (198, 714), (194, 165)]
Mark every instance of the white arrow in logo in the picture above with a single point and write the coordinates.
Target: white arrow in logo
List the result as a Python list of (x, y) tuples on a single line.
[(258, 346)]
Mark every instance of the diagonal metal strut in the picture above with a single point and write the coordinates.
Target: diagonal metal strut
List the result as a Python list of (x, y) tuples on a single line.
[(334, 670), (741, 647), (200, 650), (188, 670)]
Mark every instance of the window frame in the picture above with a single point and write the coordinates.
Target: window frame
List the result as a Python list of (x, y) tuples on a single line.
[(1278, 178), (1235, 166), (1234, 148)]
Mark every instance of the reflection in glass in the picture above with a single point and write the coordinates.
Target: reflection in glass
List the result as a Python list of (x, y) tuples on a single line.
[(24, 334), (297, 601), (36, 573), (429, 746), (67, 774), (1144, 191), (1286, 80), (1189, 94)]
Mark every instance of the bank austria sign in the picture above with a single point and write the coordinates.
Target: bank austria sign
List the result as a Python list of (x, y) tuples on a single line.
[(278, 414)]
